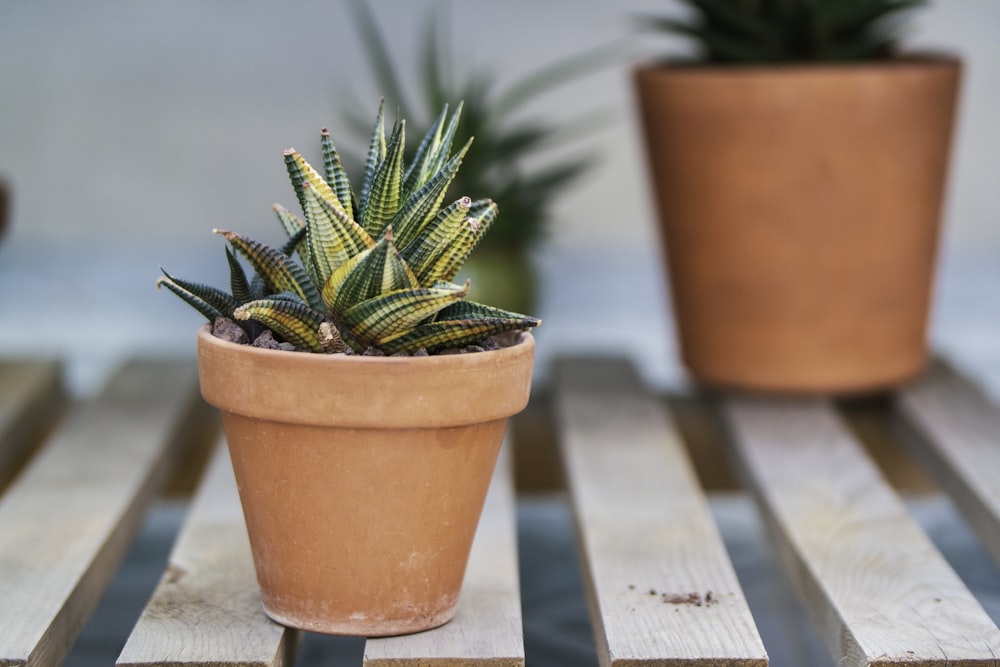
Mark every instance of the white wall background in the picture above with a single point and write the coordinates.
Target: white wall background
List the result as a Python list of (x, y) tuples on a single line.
[(130, 129)]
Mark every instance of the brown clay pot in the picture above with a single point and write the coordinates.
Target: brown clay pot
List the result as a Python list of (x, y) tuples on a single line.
[(799, 210), (362, 478)]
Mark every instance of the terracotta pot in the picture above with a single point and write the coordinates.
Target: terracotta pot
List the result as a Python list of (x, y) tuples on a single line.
[(799, 209), (362, 478)]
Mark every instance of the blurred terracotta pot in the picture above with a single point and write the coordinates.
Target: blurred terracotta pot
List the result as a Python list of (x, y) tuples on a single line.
[(362, 478), (799, 210)]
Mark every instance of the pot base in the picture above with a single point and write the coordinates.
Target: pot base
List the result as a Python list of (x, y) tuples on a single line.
[(358, 625)]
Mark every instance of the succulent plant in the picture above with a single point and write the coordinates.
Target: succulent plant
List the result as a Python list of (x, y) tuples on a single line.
[(375, 267), (766, 31)]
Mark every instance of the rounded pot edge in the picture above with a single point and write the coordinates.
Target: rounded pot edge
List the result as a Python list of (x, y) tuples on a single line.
[(365, 392)]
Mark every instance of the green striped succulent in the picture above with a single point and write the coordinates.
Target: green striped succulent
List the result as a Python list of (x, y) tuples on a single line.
[(375, 268)]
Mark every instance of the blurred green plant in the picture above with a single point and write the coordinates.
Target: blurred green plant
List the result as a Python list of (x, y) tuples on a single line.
[(768, 31), (509, 161)]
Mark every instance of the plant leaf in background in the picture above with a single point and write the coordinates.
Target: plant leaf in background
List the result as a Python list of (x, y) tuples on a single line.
[(768, 31), (505, 144)]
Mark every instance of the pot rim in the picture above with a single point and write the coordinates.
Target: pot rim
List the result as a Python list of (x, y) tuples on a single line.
[(353, 391), (908, 62)]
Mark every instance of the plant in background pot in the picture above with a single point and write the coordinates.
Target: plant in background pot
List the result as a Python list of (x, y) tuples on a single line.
[(365, 418), (515, 159), (799, 168)]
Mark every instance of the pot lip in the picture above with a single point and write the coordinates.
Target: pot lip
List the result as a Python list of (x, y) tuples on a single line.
[(906, 62), (525, 342)]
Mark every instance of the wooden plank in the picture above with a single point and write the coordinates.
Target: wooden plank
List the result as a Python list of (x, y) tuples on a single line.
[(662, 590), (206, 609), (878, 590), (67, 521), (31, 397), (953, 428), (486, 629)]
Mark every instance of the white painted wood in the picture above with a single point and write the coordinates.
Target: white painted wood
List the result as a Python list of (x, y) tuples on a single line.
[(68, 519), (486, 629), (662, 589), (878, 590), (206, 609), (954, 429), (31, 396)]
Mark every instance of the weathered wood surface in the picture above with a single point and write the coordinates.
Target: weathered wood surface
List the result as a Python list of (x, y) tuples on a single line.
[(67, 520), (878, 590), (954, 429), (662, 589), (206, 609), (487, 628), (31, 397)]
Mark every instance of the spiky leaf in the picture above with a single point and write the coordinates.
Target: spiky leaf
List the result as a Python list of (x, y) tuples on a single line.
[(278, 272), (417, 172), (193, 300), (295, 322), (219, 301), (331, 237), (376, 271), (335, 174), (445, 264), (376, 154), (238, 283), (394, 314), (423, 204), (384, 196), (455, 333), (293, 226)]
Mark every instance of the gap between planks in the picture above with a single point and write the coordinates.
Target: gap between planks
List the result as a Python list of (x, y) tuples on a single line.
[(878, 590), (662, 590), (953, 428), (67, 520), (206, 609)]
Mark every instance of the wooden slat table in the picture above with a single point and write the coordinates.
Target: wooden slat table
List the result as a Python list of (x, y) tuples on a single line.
[(661, 586)]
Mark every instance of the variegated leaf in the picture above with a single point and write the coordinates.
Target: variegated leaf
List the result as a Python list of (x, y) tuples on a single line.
[(239, 286), (445, 264), (435, 238), (295, 243), (379, 271), (376, 154), (396, 313), (331, 237), (208, 310), (456, 333), (220, 301), (423, 205), (471, 234), (441, 156), (384, 197), (417, 172), (293, 226), (336, 176), (302, 174), (293, 321), (278, 272)]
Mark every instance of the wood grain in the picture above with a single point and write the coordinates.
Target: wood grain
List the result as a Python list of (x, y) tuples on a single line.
[(68, 519), (878, 590), (662, 589), (486, 629), (954, 430), (31, 397), (206, 609)]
